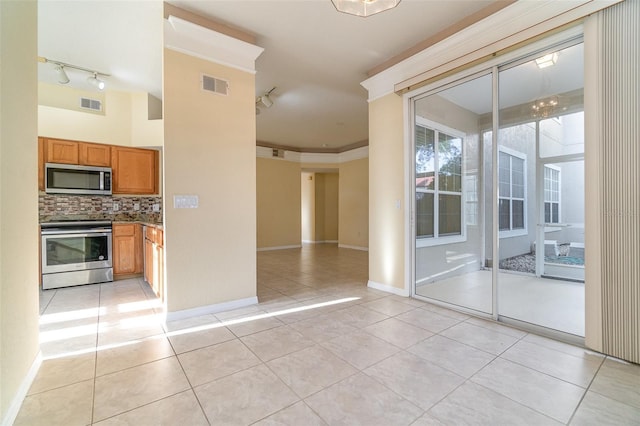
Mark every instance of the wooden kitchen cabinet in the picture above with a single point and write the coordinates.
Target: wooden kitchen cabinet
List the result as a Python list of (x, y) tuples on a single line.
[(93, 154), (154, 259), (127, 250), (61, 151), (135, 170)]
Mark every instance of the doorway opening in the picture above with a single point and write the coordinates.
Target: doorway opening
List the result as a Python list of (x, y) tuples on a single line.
[(319, 206)]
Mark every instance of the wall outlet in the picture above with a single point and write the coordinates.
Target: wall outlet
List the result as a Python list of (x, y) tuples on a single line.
[(136, 206), (116, 207), (156, 207)]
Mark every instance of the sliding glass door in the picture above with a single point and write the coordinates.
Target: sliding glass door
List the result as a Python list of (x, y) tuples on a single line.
[(505, 193)]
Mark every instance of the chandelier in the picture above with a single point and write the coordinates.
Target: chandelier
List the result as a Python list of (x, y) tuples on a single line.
[(364, 8), (544, 108)]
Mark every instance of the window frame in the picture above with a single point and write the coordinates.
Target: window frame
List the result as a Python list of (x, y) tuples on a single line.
[(521, 231), (559, 202), (436, 239)]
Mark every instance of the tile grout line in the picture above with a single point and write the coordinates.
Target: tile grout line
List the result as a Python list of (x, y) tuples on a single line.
[(575, 410)]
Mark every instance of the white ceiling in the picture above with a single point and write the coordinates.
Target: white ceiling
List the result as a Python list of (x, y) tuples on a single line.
[(315, 56)]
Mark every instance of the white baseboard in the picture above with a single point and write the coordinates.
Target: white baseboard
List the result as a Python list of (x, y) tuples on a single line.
[(280, 247), (353, 247), (18, 399), (389, 289), (210, 309), (320, 242)]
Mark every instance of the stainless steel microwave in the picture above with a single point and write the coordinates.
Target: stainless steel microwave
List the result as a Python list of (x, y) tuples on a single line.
[(72, 179)]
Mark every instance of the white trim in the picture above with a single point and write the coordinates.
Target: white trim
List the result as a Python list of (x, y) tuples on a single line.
[(210, 309), (514, 24), (314, 157), (525, 205), (388, 289), (347, 246), (320, 242), (194, 40), (279, 247), (18, 399)]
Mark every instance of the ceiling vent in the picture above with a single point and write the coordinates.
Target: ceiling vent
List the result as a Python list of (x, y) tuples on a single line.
[(215, 85), (92, 104), (279, 153)]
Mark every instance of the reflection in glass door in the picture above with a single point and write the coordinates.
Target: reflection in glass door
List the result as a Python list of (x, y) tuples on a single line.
[(508, 193), (541, 192), (451, 216)]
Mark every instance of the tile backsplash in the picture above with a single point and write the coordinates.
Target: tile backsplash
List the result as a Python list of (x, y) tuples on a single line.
[(53, 207)]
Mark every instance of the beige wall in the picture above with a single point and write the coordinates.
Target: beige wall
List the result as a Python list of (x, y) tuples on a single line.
[(308, 210), (18, 202), (278, 203), (124, 121), (326, 205), (353, 204), (209, 151), (386, 192)]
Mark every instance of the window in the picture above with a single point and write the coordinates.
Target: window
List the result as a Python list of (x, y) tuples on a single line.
[(551, 194), (511, 192), (439, 204)]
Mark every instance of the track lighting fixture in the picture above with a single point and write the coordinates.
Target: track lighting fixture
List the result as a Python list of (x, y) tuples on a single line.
[(264, 100), (63, 78), (95, 81)]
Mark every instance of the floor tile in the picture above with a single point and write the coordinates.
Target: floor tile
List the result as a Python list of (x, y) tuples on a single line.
[(244, 397), (618, 380), (564, 347), (388, 306), (545, 394), (481, 338), (127, 389), (310, 370), (427, 420), (398, 333), (500, 328), (189, 339), (472, 404), (55, 373), (345, 403), (598, 410), (430, 321), (576, 370), (132, 354), (359, 317), (297, 414), (53, 407), (245, 328), (454, 356), (182, 408), (247, 311), (274, 343), (413, 378), (212, 362), (446, 312), (360, 349), (322, 328)]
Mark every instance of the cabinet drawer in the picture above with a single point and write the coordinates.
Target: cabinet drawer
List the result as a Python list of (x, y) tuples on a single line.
[(124, 230)]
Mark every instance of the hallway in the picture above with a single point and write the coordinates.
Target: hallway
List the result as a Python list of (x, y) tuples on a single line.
[(319, 349)]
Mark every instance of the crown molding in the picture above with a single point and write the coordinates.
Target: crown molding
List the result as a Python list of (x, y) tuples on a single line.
[(516, 23), (194, 40), (314, 157)]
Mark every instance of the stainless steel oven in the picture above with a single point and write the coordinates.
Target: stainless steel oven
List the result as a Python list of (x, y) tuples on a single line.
[(76, 253)]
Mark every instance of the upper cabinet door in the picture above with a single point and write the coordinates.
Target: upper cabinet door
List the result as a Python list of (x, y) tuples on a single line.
[(92, 154), (135, 171), (61, 151)]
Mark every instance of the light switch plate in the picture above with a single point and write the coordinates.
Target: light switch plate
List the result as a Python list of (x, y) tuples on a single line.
[(185, 201)]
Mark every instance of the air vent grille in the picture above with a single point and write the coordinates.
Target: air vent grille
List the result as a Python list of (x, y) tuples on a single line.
[(278, 153), (215, 85), (92, 104)]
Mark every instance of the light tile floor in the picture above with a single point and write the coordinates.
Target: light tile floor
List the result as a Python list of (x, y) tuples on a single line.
[(320, 348)]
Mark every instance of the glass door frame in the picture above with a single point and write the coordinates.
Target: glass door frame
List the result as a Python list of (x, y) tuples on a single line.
[(561, 40)]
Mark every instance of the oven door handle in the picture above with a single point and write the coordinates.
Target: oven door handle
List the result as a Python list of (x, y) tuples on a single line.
[(79, 233)]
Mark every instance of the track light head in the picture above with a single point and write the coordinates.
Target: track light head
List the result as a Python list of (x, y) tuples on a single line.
[(95, 81), (266, 100), (63, 78)]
